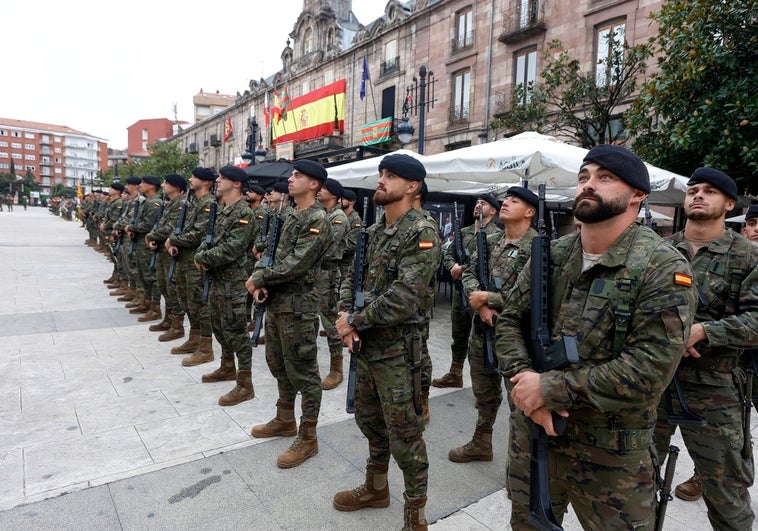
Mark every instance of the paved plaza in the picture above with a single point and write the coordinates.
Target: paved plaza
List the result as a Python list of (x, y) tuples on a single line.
[(102, 428)]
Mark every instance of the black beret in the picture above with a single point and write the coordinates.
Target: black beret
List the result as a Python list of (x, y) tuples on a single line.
[(281, 186), (334, 186), (233, 173), (311, 168), (403, 166), (256, 188), (349, 195), (174, 179), (752, 212), (623, 163), (489, 198), (204, 174), (525, 194), (133, 180), (118, 186), (152, 179), (717, 178)]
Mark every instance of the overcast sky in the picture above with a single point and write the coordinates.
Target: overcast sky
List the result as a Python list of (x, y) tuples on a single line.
[(98, 67)]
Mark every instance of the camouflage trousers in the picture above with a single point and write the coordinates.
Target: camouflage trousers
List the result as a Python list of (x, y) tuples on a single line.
[(517, 467), (226, 298), (292, 358), (385, 414), (167, 289), (487, 388), (130, 263), (717, 447), (460, 321), (327, 287), (426, 359), (145, 277), (189, 289)]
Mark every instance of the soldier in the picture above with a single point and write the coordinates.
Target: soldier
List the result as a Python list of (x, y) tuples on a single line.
[(289, 285), (461, 317), (129, 278), (254, 195), (751, 224), (173, 187), (110, 217), (508, 254), (328, 285), (225, 259), (402, 258), (726, 322), (354, 226), (626, 297)]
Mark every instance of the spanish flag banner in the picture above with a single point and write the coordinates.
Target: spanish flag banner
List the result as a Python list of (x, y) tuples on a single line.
[(376, 132), (228, 130), (312, 115)]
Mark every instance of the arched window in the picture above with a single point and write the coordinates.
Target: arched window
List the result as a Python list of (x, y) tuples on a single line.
[(307, 41)]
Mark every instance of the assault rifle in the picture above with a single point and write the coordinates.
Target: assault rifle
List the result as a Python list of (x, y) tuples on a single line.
[(120, 237), (266, 223), (483, 276), (154, 253), (545, 355), (267, 260), (664, 496), (209, 243), (359, 301), (177, 231), (135, 213), (460, 253)]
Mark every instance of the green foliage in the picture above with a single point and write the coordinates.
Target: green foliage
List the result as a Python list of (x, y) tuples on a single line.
[(164, 157), (701, 107), (569, 102), (61, 189)]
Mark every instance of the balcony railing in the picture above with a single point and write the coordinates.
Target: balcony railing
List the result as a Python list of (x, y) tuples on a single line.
[(387, 67), (520, 23), (464, 41)]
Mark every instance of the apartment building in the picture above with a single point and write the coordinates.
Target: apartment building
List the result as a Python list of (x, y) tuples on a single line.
[(54, 154), (473, 54)]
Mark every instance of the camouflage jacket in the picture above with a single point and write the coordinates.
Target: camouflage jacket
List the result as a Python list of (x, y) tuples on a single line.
[(608, 388), (338, 225), (167, 221), (402, 260), (128, 213), (507, 260), (195, 224), (112, 213), (468, 235), (291, 279), (147, 215), (727, 282), (227, 253), (348, 249)]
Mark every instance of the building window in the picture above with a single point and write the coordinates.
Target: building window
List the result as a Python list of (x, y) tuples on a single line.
[(30, 168), (3, 132), (29, 146), (30, 157), (29, 135), (459, 112), (16, 156), (144, 134), (464, 32), (3, 155), (609, 40), (17, 134), (307, 41), (3, 143), (526, 73), (391, 61), (16, 145)]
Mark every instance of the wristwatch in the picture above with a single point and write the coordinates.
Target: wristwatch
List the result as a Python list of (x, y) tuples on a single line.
[(349, 320)]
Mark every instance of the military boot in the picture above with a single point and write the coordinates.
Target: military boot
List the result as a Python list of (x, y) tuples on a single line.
[(129, 295), (452, 379), (189, 346), (304, 446), (110, 279), (479, 448), (227, 371), (334, 378), (175, 330), (114, 285), (164, 325), (414, 517), (123, 289), (241, 392), (375, 492), (144, 307), (153, 313), (137, 301), (690, 490), (282, 425), (203, 353)]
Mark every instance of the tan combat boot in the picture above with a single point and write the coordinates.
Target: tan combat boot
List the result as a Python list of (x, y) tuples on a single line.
[(164, 325), (116, 284), (226, 372), (690, 490), (304, 446), (452, 379), (203, 353), (375, 492), (153, 313), (111, 279), (175, 330), (138, 300), (479, 448), (242, 391), (282, 425), (334, 378), (129, 295), (189, 346), (123, 289), (414, 517)]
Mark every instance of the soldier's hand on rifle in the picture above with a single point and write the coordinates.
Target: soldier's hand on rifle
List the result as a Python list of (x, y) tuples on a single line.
[(527, 392), (250, 285), (129, 233), (697, 334), (544, 418), (348, 334), (486, 314), (477, 299), (200, 267), (152, 244), (456, 272), (260, 295)]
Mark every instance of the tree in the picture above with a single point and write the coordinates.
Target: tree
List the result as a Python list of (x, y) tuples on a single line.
[(583, 106), (701, 107), (164, 157)]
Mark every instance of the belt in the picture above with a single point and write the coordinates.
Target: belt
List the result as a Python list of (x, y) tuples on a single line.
[(712, 363), (621, 440)]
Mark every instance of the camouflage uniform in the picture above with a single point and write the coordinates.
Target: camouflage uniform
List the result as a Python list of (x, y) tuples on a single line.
[(292, 309), (226, 258), (328, 284), (348, 249), (402, 260), (129, 261), (111, 216), (727, 280), (146, 217), (605, 464), (160, 234)]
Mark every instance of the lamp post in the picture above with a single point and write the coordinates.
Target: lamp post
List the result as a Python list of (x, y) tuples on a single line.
[(419, 97), (252, 152)]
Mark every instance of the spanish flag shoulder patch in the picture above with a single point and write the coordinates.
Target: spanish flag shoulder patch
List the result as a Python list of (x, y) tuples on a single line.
[(207, 209), (425, 244), (338, 222), (315, 230), (260, 216), (244, 222), (683, 279)]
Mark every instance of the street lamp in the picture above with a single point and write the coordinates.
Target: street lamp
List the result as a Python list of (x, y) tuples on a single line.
[(422, 92), (252, 152)]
